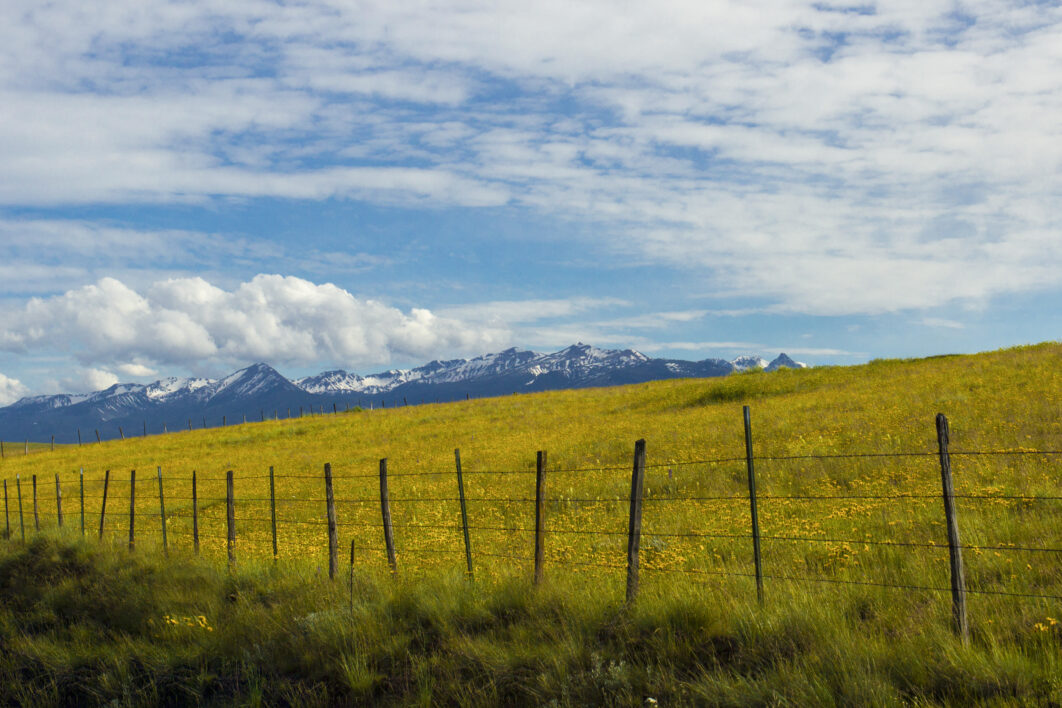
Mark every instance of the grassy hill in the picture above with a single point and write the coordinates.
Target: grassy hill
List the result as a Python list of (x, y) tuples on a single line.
[(854, 549)]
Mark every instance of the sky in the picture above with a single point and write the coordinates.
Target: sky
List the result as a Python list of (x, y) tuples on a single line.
[(190, 187)]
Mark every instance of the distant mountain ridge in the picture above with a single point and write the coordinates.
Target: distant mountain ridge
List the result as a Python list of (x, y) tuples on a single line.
[(260, 391)]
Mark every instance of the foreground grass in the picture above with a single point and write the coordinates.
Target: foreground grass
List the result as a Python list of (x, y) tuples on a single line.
[(84, 624)]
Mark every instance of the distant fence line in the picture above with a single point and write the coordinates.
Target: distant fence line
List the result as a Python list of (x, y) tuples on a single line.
[(5, 450), (636, 501)]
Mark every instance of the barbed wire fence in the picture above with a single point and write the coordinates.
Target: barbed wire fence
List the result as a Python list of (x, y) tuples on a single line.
[(540, 531)]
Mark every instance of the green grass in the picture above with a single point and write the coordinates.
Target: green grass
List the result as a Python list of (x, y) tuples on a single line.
[(84, 625)]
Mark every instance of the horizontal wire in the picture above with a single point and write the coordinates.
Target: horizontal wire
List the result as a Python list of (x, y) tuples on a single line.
[(502, 555)]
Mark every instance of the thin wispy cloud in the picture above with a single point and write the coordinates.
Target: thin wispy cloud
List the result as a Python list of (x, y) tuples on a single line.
[(801, 159)]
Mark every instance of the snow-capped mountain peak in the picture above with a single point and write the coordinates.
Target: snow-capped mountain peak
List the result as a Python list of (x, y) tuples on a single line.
[(782, 361), (748, 362), (259, 388)]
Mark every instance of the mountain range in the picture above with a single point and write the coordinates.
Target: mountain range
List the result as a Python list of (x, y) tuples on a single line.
[(259, 391)]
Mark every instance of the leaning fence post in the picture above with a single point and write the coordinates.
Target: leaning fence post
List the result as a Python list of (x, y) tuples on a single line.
[(757, 561), (385, 509), (132, 506), (195, 516), (230, 516), (7, 515), (333, 538), (162, 515), (21, 517), (81, 484), (103, 504), (58, 502), (958, 577), (464, 513), (36, 513), (540, 515), (634, 531), (273, 511)]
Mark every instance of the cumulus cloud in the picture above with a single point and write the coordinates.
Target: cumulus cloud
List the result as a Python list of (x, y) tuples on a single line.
[(188, 321), (10, 390), (87, 380)]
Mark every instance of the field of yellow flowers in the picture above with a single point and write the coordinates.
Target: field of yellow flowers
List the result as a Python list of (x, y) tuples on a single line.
[(857, 500)]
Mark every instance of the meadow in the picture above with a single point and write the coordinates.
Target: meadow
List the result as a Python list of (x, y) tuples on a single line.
[(854, 547)]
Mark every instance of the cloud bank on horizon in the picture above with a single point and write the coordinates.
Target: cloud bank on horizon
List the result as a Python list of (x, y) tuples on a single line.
[(795, 166)]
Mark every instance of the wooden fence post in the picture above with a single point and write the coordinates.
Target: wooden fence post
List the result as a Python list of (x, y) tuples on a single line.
[(162, 515), (132, 506), (385, 509), (352, 575), (273, 511), (752, 504), (79, 437), (103, 504), (58, 502), (958, 576), (36, 513), (230, 516), (464, 513), (121, 432), (98, 441), (21, 516), (540, 515), (333, 537), (634, 528), (195, 516), (53, 443), (27, 448), (81, 484), (7, 515)]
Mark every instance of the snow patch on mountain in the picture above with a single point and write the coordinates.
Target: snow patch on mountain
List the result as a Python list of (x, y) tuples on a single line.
[(748, 362)]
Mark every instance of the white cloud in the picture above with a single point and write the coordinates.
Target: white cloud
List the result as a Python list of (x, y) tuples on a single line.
[(511, 312), (829, 161), (941, 322), (88, 380), (701, 346), (11, 390), (814, 351), (188, 321), (136, 370)]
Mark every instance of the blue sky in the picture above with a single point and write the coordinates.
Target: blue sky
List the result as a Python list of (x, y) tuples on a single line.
[(189, 187)]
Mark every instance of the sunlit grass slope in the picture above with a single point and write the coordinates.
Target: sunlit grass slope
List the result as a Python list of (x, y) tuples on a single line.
[(1008, 400), (884, 522)]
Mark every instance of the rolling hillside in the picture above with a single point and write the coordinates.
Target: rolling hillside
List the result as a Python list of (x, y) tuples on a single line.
[(855, 556)]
